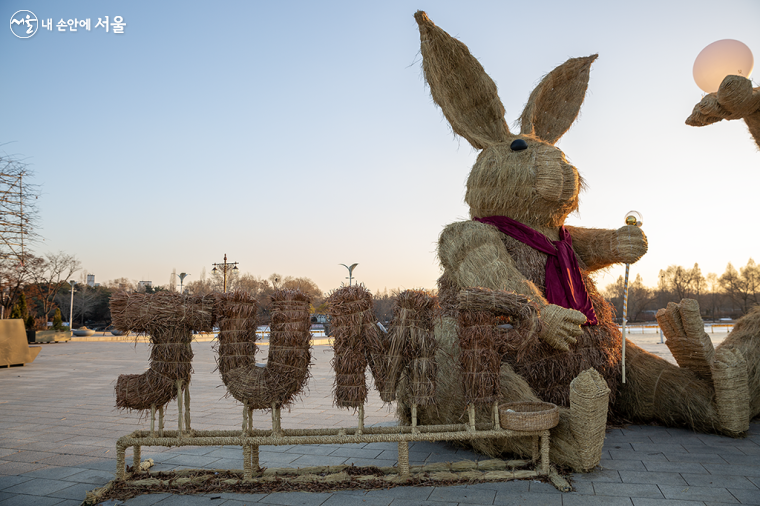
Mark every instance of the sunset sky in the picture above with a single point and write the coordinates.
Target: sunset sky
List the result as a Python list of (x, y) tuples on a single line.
[(296, 136)]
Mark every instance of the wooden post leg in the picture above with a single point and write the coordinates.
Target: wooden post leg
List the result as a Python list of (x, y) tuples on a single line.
[(545, 452), (120, 462), (415, 430), (247, 471), (403, 458), (136, 458), (187, 408), (245, 414), (255, 459), (179, 408), (152, 420), (471, 413), (360, 428), (161, 421), (276, 422)]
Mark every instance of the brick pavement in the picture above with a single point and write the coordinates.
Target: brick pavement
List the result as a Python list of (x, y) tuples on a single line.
[(58, 430)]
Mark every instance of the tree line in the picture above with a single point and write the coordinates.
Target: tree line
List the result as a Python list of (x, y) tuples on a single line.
[(729, 295)]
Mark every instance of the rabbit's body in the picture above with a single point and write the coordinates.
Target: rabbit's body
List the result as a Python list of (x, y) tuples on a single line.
[(523, 182)]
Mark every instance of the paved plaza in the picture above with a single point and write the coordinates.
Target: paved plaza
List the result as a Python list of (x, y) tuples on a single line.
[(58, 430)]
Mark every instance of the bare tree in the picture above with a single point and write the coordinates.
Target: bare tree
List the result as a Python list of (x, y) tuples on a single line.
[(743, 287), (50, 276), (677, 281), (640, 297), (18, 210)]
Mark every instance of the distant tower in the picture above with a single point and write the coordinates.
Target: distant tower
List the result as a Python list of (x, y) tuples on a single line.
[(91, 280)]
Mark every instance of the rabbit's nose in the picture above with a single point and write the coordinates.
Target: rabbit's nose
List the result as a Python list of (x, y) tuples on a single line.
[(518, 145)]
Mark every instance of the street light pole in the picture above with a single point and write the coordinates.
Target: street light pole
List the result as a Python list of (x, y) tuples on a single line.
[(350, 272), (182, 277), (71, 307), (225, 266)]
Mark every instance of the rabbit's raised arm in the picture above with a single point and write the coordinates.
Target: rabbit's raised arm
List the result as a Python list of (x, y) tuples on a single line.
[(600, 248), (735, 99)]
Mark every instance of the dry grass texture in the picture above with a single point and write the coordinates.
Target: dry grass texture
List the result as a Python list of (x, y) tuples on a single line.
[(745, 339), (350, 310), (735, 99), (412, 345), (562, 92), (478, 358), (289, 358), (589, 402), (451, 405), (459, 85), (169, 318), (686, 337)]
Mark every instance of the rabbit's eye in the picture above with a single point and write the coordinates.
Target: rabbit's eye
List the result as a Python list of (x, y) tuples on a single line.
[(518, 145)]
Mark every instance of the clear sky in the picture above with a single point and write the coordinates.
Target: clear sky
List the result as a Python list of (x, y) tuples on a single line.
[(295, 136)]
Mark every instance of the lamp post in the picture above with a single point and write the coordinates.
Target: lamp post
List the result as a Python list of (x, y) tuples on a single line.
[(632, 218), (182, 277), (350, 272), (71, 306), (225, 267)]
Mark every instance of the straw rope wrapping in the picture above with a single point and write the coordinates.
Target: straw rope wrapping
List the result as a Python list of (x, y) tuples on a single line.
[(350, 310), (287, 369), (412, 345), (729, 370), (589, 399), (169, 319)]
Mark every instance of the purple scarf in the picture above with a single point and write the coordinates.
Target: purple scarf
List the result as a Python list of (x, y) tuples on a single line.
[(564, 284)]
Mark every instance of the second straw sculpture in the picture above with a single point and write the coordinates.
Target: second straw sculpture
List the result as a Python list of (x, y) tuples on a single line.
[(350, 310), (169, 319), (287, 369)]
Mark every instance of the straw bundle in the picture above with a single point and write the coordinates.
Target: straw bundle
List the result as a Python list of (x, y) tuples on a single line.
[(729, 372), (413, 346), (745, 339), (169, 318), (236, 319), (350, 310), (459, 85), (287, 368), (686, 337), (478, 358), (385, 352), (141, 313), (589, 400)]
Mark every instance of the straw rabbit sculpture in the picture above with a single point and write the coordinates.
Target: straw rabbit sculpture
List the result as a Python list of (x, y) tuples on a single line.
[(519, 182)]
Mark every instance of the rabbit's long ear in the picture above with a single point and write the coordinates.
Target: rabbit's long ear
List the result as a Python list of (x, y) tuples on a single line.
[(461, 87), (556, 101)]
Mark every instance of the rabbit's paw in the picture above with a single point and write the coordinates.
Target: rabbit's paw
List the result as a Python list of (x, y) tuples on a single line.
[(685, 336), (629, 244), (560, 326)]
